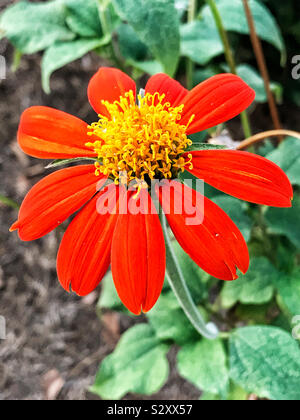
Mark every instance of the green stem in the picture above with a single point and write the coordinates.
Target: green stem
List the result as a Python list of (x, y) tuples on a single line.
[(192, 10), (8, 202), (105, 23), (229, 57), (179, 287)]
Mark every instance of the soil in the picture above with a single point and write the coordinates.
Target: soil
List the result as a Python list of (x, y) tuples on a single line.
[(55, 341)]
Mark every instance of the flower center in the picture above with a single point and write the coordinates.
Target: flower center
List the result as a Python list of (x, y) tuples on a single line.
[(145, 141)]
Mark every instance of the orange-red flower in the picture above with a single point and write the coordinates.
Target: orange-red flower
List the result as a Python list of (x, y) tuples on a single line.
[(148, 140)]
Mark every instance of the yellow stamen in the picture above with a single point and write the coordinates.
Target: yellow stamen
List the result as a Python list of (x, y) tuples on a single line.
[(145, 140)]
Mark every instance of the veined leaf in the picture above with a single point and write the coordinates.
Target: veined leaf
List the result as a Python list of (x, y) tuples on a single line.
[(255, 287), (266, 361), (83, 18), (138, 364), (204, 364), (287, 156), (62, 53), (170, 322), (32, 27), (234, 19), (156, 23), (289, 290), (285, 221)]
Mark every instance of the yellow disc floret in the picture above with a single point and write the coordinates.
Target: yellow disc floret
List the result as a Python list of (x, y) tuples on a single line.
[(145, 140)]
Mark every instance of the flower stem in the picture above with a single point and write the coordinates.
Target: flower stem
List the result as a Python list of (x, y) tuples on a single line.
[(265, 135), (192, 10), (105, 20), (105, 24), (179, 287), (229, 57), (261, 61)]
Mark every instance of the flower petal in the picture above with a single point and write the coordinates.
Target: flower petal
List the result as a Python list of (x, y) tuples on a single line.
[(108, 84), (84, 254), (215, 244), (163, 84), (139, 256), (216, 101), (52, 200), (243, 175), (51, 134)]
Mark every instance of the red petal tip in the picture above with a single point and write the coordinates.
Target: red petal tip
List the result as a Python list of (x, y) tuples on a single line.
[(15, 226)]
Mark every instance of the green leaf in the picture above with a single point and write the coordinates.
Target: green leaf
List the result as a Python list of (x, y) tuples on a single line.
[(62, 162), (138, 365), (253, 79), (33, 27), (204, 146), (289, 291), (109, 298), (181, 6), (130, 45), (62, 53), (169, 321), (266, 361), (287, 156), (255, 287), (285, 221), (200, 42), (234, 19), (150, 67), (83, 18), (156, 23), (204, 364), (236, 209)]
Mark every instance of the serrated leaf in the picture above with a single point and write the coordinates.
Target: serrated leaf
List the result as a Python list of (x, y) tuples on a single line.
[(32, 27), (170, 322), (237, 210), (156, 23), (266, 361), (234, 19), (83, 18), (285, 221), (204, 364), (138, 365), (255, 287), (62, 53), (287, 156), (62, 162)]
